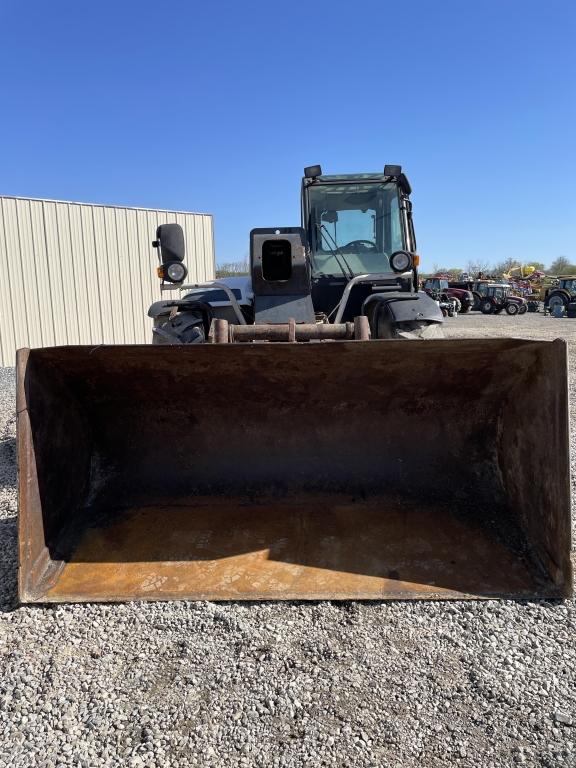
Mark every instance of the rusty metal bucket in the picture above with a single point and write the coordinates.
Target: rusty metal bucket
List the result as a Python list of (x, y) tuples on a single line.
[(333, 470)]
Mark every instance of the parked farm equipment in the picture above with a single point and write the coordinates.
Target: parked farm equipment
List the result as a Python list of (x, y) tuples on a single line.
[(497, 298), (439, 287), (562, 294)]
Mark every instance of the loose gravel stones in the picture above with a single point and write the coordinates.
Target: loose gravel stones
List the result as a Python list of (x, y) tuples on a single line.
[(489, 684)]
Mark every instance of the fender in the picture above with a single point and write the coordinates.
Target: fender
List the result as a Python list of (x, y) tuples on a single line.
[(186, 314), (159, 308), (404, 307)]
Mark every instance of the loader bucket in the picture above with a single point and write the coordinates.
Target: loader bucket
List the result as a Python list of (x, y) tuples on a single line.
[(331, 470)]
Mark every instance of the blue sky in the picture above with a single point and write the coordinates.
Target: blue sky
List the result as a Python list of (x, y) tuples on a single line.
[(217, 107)]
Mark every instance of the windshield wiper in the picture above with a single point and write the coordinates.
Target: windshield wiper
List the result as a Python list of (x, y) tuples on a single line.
[(336, 252)]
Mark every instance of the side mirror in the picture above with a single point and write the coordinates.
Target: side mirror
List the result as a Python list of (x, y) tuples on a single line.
[(170, 241), (330, 216)]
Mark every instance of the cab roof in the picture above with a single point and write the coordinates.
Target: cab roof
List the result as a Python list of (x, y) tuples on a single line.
[(355, 177), (347, 178)]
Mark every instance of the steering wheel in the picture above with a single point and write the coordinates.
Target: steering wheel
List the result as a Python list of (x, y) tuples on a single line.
[(371, 246)]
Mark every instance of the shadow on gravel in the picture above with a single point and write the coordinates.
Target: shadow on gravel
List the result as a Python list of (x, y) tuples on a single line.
[(351, 608), (8, 565), (8, 527), (8, 471)]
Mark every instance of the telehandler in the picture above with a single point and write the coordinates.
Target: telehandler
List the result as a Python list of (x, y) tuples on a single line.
[(285, 435)]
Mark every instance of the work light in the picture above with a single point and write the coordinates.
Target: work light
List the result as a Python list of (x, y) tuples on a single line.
[(401, 261), (312, 171), (176, 272)]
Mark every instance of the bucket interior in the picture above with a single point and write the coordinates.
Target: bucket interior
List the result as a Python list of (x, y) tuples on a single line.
[(332, 470)]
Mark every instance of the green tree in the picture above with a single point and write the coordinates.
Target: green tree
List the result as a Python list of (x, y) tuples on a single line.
[(562, 266), (232, 269), (454, 272)]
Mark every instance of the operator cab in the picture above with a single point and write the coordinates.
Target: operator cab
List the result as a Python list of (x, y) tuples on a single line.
[(355, 225), (567, 283), (498, 291), (436, 284)]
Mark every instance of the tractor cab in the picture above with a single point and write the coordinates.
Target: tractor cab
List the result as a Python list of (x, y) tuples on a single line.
[(436, 285), (568, 284), (497, 297), (358, 226), (481, 286), (497, 291)]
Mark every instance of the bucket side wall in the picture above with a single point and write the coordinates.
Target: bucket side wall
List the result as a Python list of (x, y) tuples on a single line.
[(54, 444), (534, 456)]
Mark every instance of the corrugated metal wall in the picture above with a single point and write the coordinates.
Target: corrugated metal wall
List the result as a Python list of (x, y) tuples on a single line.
[(85, 274)]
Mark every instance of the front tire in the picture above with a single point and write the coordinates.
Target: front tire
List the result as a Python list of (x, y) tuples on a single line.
[(183, 328), (556, 300), (511, 309), (523, 309)]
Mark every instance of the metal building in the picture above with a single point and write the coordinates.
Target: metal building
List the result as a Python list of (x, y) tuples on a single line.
[(72, 273)]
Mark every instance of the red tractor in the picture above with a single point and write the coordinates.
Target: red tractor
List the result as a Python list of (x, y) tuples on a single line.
[(498, 297), (435, 286)]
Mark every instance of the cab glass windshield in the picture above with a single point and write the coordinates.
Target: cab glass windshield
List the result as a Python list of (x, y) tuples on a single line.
[(434, 284), (354, 227)]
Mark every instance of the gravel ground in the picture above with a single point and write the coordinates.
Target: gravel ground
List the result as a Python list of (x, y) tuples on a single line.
[(324, 684)]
